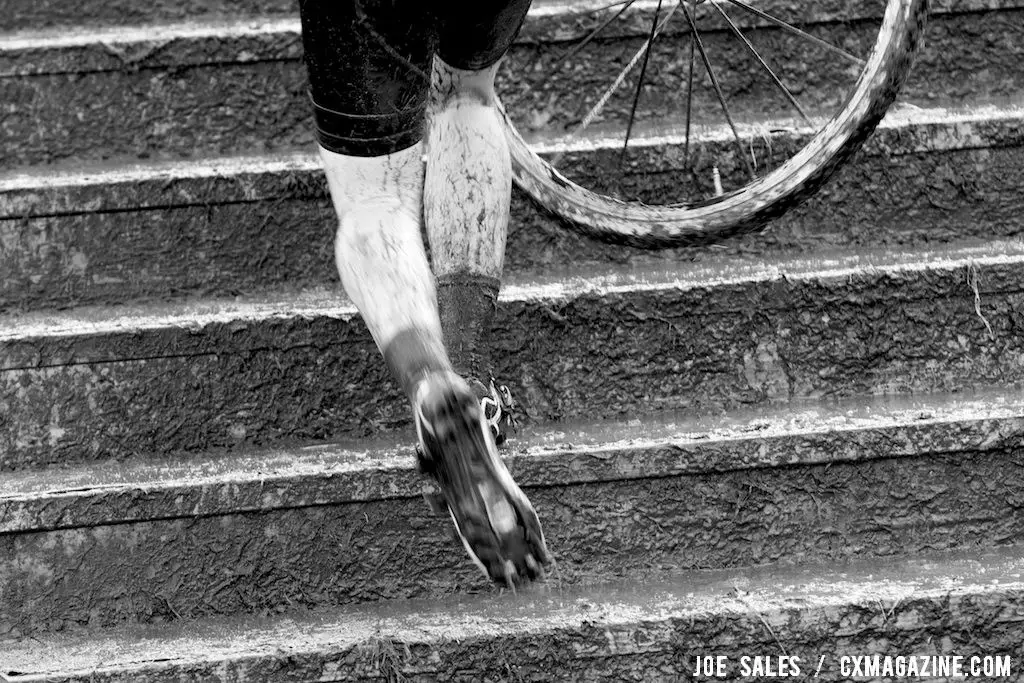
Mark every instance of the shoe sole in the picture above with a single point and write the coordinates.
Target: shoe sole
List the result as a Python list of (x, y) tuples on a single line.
[(462, 460)]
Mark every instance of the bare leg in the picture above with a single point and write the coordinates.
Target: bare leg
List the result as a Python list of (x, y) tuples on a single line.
[(383, 266), (466, 206), (381, 259), (364, 62)]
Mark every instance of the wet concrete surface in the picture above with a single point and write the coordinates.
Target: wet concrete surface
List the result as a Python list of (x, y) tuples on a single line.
[(543, 22), (266, 225), (804, 432), (387, 549), (587, 345), (648, 627), (638, 628), (198, 96)]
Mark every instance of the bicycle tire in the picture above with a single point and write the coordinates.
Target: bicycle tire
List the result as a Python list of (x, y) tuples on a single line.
[(751, 208)]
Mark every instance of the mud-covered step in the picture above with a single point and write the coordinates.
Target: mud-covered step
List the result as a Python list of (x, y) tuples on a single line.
[(553, 20), (35, 48), (29, 15), (945, 610), (107, 382), (339, 524), (226, 87), (161, 230)]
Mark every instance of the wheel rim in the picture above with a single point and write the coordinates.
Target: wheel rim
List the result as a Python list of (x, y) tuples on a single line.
[(746, 207)]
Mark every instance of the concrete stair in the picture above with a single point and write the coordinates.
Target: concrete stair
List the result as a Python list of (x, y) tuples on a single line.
[(95, 383), (264, 224), (806, 442), (643, 629), (344, 523), (213, 87)]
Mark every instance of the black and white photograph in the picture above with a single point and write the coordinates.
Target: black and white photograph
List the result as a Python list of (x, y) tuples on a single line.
[(515, 341)]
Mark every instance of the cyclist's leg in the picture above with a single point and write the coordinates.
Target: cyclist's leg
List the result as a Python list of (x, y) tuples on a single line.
[(368, 63), (469, 177), (368, 71)]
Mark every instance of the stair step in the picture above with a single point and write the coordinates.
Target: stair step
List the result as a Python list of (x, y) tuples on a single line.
[(32, 15), (36, 49), (45, 15), (696, 421), (344, 523), (222, 87), (646, 628), (114, 234), (553, 18), (90, 384), (801, 434)]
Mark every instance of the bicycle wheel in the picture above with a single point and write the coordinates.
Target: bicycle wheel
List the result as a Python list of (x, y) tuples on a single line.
[(745, 167)]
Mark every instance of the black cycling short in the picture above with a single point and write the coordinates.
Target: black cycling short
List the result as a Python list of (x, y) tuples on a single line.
[(369, 62)]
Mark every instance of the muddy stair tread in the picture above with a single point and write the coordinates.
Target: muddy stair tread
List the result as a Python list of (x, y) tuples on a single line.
[(647, 627)]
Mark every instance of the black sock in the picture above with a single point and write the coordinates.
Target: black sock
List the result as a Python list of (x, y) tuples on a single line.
[(467, 304)]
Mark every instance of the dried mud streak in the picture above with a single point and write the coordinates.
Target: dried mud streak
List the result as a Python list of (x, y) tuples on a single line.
[(700, 350), (193, 110), (263, 491), (253, 563)]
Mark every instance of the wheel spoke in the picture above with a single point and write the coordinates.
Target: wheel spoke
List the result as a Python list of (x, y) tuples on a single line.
[(803, 34), (720, 202), (607, 94), (640, 83), (689, 101), (575, 49), (757, 55), (718, 88)]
